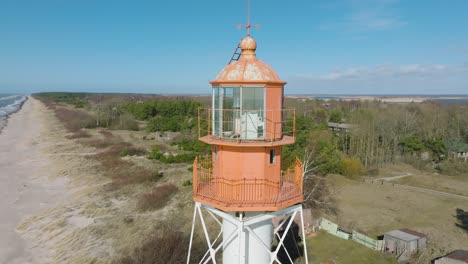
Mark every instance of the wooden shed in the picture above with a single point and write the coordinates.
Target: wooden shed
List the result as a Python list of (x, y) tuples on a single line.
[(403, 243), (456, 257)]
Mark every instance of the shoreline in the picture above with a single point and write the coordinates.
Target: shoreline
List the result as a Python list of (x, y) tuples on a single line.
[(30, 180), (4, 119)]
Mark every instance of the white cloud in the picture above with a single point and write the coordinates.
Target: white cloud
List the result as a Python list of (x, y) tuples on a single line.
[(361, 16), (386, 70), (386, 78)]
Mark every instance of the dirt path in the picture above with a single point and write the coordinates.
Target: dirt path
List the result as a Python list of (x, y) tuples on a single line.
[(430, 191), (394, 177), (387, 180)]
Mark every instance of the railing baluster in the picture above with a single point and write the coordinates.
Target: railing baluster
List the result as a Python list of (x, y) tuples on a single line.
[(246, 191)]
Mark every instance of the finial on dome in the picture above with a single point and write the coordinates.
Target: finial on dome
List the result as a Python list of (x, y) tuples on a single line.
[(248, 26), (248, 46)]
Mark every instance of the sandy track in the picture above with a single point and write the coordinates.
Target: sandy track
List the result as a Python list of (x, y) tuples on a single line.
[(25, 174)]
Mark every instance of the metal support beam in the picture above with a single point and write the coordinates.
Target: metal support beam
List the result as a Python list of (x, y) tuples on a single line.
[(242, 226)]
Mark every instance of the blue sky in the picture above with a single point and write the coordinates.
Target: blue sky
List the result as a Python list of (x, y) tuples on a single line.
[(318, 47)]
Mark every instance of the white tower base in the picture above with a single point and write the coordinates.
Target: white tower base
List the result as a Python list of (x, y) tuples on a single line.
[(246, 238)]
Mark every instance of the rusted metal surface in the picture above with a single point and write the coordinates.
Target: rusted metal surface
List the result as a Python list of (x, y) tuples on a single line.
[(248, 67), (248, 194)]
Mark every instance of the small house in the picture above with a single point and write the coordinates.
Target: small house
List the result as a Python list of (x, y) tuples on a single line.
[(458, 149), (403, 243), (456, 257), (339, 127)]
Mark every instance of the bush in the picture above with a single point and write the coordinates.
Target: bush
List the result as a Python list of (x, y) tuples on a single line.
[(132, 151), (373, 171), (193, 145), (79, 134), (417, 162), (74, 120), (187, 183), (351, 168), (116, 143), (157, 198), (453, 168), (169, 123), (166, 245), (106, 133), (123, 172), (125, 122), (155, 154)]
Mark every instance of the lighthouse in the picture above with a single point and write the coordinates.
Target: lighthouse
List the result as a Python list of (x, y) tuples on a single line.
[(244, 184)]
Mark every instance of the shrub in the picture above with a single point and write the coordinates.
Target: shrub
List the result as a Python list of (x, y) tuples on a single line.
[(157, 198), (166, 245), (155, 154), (74, 120), (123, 153), (187, 183), (193, 145), (125, 122), (79, 134), (351, 168), (116, 143), (123, 172), (106, 133), (453, 168), (132, 151), (373, 171)]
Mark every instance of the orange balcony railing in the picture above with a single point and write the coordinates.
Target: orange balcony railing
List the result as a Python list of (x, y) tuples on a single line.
[(252, 125), (257, 194)]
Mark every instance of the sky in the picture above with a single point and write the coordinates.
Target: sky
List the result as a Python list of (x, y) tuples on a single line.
[(178, 46)]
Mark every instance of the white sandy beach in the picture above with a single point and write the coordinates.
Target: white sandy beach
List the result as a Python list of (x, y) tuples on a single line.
[(27, 182)]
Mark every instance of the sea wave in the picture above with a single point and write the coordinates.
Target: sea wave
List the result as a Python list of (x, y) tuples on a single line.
[(4, 98), (13, 106)]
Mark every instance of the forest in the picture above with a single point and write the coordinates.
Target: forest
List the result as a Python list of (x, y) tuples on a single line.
[(426, 135)]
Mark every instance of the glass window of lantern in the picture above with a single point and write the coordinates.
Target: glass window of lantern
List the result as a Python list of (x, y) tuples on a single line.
[(217, 114), (253, 98), (238, 112)]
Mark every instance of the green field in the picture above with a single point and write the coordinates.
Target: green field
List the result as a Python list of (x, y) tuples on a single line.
[(325, 246)]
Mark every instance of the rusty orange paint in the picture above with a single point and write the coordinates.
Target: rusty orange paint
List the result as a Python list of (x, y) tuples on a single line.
[(247, 175), (248, 68)]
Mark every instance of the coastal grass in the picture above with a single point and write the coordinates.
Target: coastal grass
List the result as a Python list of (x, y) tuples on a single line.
[(121, 171), (450, 184), (156, 198), (324, 247), (165, 245), (124, 172), (79, 134), (74, 120)]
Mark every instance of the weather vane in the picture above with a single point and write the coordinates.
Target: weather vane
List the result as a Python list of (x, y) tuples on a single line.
[(248, 26)]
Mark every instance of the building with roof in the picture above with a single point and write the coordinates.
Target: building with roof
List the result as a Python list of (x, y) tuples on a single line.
[(458, 149), (403, 243), (339, 126), (456, 257)]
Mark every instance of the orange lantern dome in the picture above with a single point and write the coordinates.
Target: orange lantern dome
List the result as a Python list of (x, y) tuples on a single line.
[(248, 68)]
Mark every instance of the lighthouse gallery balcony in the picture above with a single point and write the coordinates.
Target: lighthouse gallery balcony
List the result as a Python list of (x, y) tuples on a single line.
[(247, 194)]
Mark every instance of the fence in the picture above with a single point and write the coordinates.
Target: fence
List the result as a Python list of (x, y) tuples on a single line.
[(367, 241), (357, 237)]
